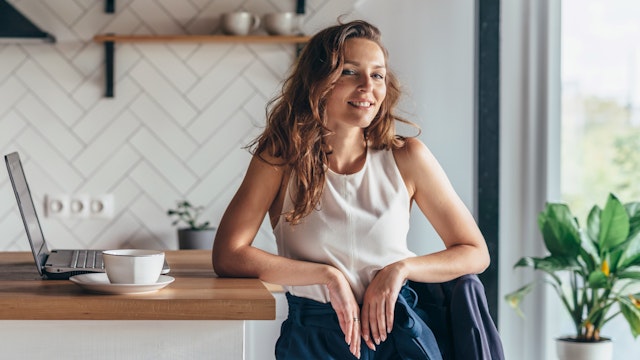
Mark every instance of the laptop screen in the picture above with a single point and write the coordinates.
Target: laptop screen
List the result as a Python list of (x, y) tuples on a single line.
[(27, 209)]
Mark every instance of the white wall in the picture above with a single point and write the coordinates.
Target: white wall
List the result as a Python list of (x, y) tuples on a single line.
[(182, 112), (431, 48)]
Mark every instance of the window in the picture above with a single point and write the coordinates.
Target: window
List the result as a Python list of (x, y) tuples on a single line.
[(600, 101), (601, 113)]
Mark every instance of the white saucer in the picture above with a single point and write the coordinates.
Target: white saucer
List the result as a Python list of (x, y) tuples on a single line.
[(99, 282)]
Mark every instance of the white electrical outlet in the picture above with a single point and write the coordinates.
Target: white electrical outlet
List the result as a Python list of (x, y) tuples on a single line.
[(56, 206), (101, 206), (80, 206)]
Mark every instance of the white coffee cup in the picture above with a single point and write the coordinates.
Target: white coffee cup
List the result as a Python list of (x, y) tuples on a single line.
[(133, 266), (239, 23), (284, 23)]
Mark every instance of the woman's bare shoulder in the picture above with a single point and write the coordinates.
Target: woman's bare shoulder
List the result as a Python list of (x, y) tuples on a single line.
[(413, 151), (416, 163), (267, 177)]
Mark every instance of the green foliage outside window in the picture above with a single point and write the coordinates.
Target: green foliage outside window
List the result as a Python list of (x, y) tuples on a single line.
[(600, 152)]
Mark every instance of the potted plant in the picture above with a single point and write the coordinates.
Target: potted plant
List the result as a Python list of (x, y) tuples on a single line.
[(195, 234), (592, 269)]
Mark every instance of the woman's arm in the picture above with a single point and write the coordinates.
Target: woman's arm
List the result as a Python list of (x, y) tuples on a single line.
[(233, 254), (466, 251)]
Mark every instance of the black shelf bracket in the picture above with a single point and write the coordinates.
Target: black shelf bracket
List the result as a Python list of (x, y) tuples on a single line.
[(109, 49), (110, 6), (300, 11)]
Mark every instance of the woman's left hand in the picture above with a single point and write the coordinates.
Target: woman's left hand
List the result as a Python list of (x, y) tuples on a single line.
[(379, 303)]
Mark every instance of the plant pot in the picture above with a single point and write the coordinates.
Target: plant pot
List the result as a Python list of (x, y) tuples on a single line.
[(196, 239), (568, 348)]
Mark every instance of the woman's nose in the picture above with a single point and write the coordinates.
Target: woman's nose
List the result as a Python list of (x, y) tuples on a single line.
[(366, 83)]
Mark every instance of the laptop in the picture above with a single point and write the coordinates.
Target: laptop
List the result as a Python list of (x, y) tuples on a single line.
[(51, 264)]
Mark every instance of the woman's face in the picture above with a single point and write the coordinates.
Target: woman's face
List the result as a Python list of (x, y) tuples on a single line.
[(358, 93)]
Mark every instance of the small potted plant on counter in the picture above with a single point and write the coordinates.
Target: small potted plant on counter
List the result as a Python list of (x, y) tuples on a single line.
[(194, 234), (592, 269)]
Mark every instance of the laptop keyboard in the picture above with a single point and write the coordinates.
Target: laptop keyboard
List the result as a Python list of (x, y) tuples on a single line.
[(88, 259)]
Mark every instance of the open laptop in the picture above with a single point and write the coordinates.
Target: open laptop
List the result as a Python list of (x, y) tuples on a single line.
[(51, 264)]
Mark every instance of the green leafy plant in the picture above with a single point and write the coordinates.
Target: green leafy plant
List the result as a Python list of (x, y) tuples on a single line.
[(592, 269), (188, 214)]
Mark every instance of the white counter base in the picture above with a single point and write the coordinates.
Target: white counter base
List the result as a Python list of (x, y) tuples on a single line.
[(117, 339)]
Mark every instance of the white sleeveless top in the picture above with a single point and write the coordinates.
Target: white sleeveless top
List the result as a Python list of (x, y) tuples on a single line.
[(360, 228)]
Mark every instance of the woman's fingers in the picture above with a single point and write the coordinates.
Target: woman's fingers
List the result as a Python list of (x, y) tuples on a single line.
[(350, 325), (366, 328), (374, 322), (355, 338), (348, 311), (377, 320), (381, 318), (390, 310), (346, 325), (379, 303)]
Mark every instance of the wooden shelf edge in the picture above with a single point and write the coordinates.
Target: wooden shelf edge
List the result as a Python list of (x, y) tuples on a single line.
[(101, 38)]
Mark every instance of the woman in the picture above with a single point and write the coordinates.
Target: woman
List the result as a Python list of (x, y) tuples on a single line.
[(338, 184)]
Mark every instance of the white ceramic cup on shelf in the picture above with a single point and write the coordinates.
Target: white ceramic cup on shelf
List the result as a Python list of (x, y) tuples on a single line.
[(283, 23), (239, 23), (133, 266)]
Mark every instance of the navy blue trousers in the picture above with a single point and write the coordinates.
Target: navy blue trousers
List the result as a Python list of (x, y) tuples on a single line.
[(432, 322)]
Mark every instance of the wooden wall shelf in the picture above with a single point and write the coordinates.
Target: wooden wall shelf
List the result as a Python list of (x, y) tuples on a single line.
[(202, 38), (109, 41)]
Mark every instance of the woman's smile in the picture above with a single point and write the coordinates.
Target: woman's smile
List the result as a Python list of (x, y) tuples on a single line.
[(361, 104)]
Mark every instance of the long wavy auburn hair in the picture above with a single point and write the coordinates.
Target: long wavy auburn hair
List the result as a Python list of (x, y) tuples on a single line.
[(296, 123)]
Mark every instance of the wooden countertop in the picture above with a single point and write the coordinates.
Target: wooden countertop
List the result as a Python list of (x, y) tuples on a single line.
[(196, 294)]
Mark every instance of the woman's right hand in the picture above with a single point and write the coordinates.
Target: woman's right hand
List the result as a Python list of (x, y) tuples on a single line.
[(346, 307)]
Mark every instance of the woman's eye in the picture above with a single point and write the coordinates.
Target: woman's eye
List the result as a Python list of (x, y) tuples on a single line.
[(378, 76), (348, 72)]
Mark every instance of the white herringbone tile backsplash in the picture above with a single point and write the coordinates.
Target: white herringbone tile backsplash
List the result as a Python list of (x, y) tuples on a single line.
[(175, 129)]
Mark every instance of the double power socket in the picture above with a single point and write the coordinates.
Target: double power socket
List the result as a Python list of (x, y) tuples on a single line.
[(81, 206)]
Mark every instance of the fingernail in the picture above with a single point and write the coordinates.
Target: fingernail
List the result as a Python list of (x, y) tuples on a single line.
[(384, 338), (366, 338), (377, 341)]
